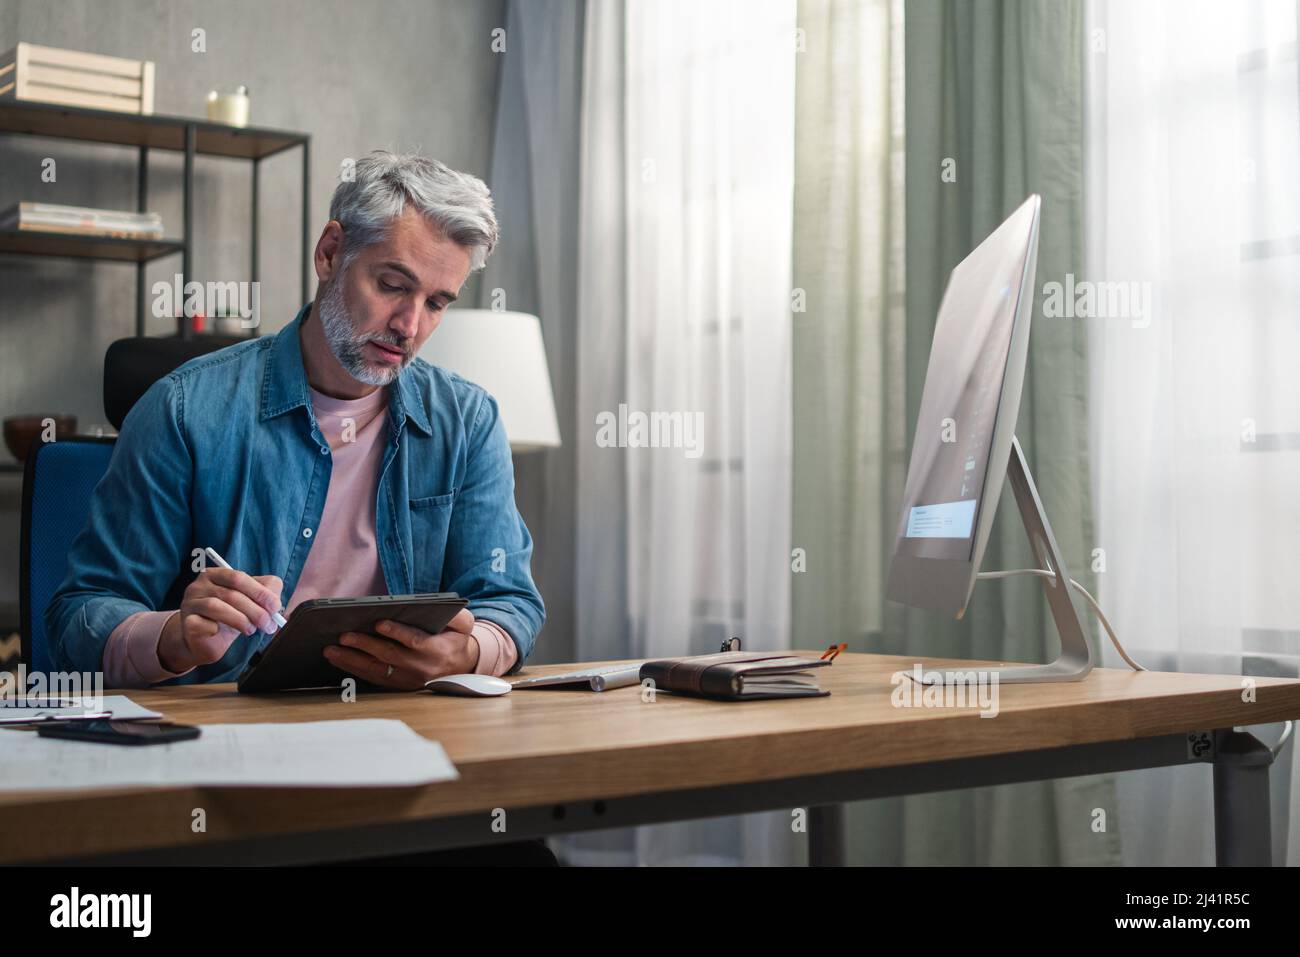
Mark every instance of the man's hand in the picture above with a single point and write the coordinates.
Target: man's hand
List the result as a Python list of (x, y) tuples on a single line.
[(218, 606), (415, 655)]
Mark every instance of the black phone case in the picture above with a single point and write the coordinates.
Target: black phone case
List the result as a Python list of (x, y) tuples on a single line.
[(70, 731), (295, 658)]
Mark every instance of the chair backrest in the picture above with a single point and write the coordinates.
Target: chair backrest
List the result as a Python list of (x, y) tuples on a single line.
[(59, 479), (60, 476), (132, 365)]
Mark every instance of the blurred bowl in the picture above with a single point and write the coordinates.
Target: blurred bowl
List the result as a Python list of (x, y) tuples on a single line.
[(22, 430)]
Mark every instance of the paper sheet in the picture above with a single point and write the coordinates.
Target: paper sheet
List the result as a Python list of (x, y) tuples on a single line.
[(366, 752), (122, 707)]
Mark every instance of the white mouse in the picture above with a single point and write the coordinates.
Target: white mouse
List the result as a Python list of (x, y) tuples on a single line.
[(469, 686)]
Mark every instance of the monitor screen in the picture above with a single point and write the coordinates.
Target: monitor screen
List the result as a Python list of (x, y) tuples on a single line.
[(953, 444)]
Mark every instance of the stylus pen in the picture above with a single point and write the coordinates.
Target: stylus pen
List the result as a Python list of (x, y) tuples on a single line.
[(212, 553)]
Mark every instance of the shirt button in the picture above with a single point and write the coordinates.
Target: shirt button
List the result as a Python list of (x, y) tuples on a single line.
[(324, 450), (306, 533)]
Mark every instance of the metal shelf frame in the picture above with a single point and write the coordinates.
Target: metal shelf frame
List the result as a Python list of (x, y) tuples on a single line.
[(187, 135)]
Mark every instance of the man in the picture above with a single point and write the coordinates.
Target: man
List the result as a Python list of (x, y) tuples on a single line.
[(325, 461)]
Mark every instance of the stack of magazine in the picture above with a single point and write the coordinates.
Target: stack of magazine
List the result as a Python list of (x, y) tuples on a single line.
[(81, 220)]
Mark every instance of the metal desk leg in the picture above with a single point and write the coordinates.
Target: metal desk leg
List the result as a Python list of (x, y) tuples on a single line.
[(307, 247), (187, 211), (141, 205), (826, 835), (1242, 831)]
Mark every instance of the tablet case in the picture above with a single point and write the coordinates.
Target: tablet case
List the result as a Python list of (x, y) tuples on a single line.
[(295, 657)]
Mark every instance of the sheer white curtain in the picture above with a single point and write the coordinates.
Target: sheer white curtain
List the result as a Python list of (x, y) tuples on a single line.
[(684, 312), (1193, 185)]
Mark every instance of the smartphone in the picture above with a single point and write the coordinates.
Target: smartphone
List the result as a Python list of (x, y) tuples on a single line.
[(120, 732)]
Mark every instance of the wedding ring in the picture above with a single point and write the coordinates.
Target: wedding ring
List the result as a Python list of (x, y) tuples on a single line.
[(389, 673)]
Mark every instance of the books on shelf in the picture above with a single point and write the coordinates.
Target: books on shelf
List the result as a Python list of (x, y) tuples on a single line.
[(81, 220)]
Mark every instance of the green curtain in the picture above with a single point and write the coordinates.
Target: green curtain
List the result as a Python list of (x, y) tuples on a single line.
[(993, 94)]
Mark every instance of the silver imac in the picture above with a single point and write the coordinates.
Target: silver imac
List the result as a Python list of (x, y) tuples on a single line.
[(965, 445)]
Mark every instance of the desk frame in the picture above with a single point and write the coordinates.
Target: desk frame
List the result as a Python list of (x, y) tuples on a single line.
[(1241, 805)]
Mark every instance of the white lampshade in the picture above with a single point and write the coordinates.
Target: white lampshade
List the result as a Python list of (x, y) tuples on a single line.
[(502, 352)]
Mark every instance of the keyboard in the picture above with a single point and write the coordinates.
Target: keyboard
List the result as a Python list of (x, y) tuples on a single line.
[(602, 678)]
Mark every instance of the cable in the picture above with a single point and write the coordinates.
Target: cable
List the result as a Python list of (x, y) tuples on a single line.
[(1105, 623), (1101, 615), (1281, 742)]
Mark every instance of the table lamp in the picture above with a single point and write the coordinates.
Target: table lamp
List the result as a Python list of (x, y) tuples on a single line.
[(502, 352)]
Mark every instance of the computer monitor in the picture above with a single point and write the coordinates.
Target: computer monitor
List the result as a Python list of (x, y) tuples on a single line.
[(964, 445)]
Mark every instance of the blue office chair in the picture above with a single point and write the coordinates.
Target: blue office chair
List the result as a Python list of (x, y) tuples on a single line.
[(57, 483), (61, 475)]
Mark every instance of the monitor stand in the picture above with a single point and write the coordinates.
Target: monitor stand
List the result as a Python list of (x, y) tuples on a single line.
[(1075, 660)]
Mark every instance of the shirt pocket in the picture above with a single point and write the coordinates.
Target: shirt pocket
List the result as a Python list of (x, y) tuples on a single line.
[(430, 522)]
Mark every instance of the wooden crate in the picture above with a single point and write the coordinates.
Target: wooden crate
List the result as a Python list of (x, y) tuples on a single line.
[(71, 78)]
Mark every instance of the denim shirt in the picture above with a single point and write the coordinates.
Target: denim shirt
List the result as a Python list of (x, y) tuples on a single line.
[(225, 452)]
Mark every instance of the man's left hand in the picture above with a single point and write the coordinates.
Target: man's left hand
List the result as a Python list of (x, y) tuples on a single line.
[(405, 657)]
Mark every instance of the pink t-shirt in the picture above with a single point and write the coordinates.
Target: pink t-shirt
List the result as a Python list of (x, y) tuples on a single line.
[(343, 561)]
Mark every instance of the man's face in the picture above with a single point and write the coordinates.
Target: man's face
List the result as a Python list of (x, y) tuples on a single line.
[(377, 313)]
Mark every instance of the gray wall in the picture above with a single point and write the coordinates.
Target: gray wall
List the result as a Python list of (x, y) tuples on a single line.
[(398, 74)]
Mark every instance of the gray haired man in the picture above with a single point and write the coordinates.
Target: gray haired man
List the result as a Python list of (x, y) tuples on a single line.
[(325, 461)]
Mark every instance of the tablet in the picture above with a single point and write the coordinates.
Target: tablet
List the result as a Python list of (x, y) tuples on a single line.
[(295, 658)]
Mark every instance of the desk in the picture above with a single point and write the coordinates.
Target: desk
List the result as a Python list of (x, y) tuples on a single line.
[(561, 761)]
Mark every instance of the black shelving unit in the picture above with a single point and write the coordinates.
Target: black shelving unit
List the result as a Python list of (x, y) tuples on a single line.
[(30, 242), (190, 136)]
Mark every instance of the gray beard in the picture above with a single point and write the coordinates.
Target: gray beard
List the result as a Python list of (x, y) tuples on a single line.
[(349, 347)]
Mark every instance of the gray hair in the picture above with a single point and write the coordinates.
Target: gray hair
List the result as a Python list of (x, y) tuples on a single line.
[(459, 204)]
